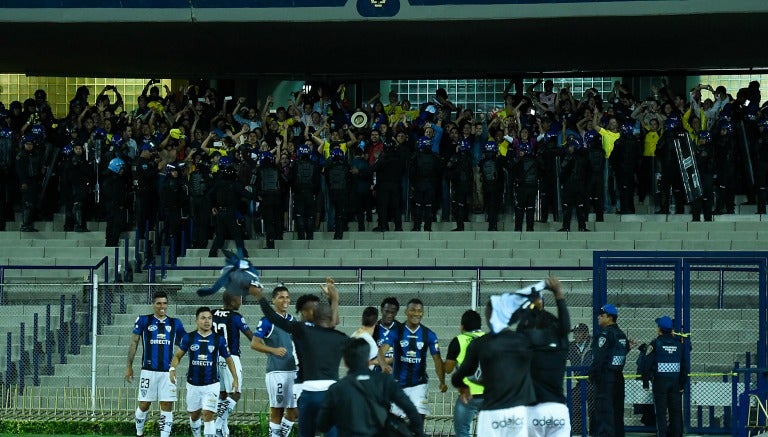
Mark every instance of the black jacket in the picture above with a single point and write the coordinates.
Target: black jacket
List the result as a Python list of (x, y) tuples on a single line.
[(347, 408)]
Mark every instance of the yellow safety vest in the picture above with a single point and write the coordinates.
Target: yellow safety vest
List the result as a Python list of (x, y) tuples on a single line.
[(464, 339)]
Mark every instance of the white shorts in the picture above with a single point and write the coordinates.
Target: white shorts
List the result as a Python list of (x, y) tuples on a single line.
[(280, 389), (156, 386), (225, 376), (418, 395), (202, 397), (507, 422), (549, 419)]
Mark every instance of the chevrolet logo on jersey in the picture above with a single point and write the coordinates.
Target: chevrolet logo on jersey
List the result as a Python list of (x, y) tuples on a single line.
[(202, 357), (160, 335)]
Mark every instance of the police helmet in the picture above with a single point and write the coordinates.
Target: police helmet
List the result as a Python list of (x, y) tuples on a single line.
[(171, 166), (269, 158), (28, 138), (574, 142), (6, 132), (4, 113), (725, 124), (525, 147), (705, 136), (627, 128), (68, 149), (116, 164), (225, 161), (549, 135), (304, 151), (70, 129), (158, 138), (99, 134), (464, 145), (229, 171), (672, 123), (117, 140), (763, 122), (424, 143), (337, 155), (491, 147), (390, 146)]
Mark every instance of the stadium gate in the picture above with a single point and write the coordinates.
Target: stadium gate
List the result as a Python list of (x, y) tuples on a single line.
[(718, 303)]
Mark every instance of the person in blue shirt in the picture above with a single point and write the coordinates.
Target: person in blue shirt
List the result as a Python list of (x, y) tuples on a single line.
[(158, 333), (229, 323), (204, 347), (411, 343)]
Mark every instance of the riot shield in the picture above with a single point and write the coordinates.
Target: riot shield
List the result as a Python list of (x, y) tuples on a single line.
[(689, 172), (743, 141), (50, 165)]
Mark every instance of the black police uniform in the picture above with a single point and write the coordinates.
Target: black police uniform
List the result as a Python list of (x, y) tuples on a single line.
[(304, 178), (225, 197), (268, 187), (492, 179), (574, 174), (424, 174), (761, 171), (667, 160), (706, 161), (625, 159), (200, 182), (459, 173), (595, 184), (667, 366), (29, 172), (174, 199), (549, 152), (609, 349), (78, 174), (389, 170), (725, 150), (525, 173), (337, 180), (144, 172), (114, 190), (6, 170)]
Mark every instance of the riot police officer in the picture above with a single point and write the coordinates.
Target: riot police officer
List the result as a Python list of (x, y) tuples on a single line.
[(549, 152), (525, 173), (115, 191), (337, 179), (667, 161), (761, 173), (459, 173), (706, 161), (29, 172), (595, 184), (224, 198), (144, 173), (6, 167), (609, 351), (268, 188), (574, 173), (200, 182), (725, 150), (624, 160), (78, 175), (174, 198), (304, 178), (492, 178), (667, 366), (388, 173), (424, 174)]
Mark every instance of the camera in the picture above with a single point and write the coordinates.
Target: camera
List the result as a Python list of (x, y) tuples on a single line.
[(218, 144), (201, 99), (227, 98)]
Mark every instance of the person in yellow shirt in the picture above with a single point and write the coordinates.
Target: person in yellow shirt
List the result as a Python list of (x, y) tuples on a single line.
[(645, 179), (609, 136), (324, 147)]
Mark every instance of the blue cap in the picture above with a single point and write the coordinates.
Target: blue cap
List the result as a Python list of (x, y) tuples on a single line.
[(609, 309), (664, 323)]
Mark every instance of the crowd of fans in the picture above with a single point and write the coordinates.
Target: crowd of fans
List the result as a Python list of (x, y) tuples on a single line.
[(196, 161)]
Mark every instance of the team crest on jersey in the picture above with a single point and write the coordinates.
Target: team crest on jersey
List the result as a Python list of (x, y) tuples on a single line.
[(143, 392), (167, 328), (601, 342), (211, 348), (152, 328), (194, 347), (280, 399), (420, 345), (404, 343)]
